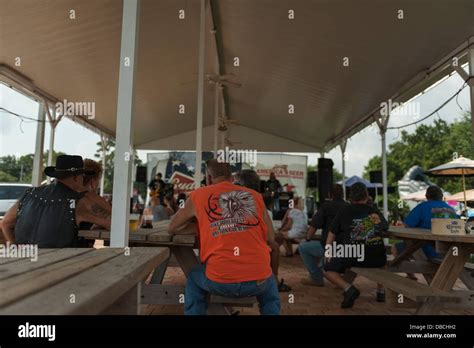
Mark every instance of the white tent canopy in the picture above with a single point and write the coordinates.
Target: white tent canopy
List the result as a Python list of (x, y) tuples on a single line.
[(282, 61)]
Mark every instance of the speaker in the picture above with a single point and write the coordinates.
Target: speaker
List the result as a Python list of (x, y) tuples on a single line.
[(324, 178), (375, 176), (140, 174), (312, 179)]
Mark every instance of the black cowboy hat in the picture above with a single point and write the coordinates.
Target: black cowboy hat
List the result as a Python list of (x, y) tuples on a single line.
[(68, 166)]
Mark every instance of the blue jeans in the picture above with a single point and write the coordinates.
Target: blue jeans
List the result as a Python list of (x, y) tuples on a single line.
[(312, 254), (276, 207), (198, 287)]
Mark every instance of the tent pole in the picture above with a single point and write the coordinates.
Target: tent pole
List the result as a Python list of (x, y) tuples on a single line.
[(464, 190), (343, 154), (216, 108), (383, 123), (200, 97), (471, 87), (124, 132), (103, 145), (38, 159), (53, 122)]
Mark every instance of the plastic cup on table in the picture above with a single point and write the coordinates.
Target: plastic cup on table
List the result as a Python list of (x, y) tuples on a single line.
[(133, 222)]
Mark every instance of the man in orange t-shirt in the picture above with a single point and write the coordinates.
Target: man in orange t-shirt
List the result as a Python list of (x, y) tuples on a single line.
[(234, 228)]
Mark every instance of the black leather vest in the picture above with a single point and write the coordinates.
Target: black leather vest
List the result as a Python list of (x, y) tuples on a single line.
[(46, 216)]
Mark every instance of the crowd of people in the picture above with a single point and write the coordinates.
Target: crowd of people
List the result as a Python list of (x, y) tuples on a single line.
[(239, 248)]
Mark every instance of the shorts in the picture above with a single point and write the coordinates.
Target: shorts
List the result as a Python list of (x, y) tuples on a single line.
[(428, 250), (372, 259), (296, 234)]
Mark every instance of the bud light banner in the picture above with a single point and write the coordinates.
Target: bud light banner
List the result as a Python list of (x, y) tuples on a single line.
[(178, 168)]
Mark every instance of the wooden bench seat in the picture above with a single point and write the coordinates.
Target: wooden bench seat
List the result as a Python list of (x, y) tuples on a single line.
[(77, 281), (410, 289)]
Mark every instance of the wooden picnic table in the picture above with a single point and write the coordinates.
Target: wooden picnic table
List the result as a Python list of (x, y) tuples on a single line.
[(442, 276), (182, 247), (77, 281)]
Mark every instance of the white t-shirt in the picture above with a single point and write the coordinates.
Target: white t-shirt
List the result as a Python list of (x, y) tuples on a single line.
[(270, 214), (300, 224)]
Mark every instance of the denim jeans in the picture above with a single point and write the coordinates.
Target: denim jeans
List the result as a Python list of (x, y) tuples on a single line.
[(198, 286), (276, 207), (312, 254)]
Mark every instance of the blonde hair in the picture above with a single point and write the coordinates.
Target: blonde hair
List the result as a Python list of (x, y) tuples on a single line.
[(298, 202)]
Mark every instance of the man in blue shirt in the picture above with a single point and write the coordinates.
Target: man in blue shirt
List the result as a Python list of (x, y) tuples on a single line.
[(420, 217)]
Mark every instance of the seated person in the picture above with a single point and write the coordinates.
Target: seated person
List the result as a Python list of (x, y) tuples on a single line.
[(234, 232), (312, 251), (249, 178), (91, 184), (49, 215), (170, 204), (420, 217), (293, 226), (360, 226), (159, 211)]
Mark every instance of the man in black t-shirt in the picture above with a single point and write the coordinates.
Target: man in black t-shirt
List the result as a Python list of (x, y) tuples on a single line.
[(156, 187), (312, 252), (273, 187), (355, 240)]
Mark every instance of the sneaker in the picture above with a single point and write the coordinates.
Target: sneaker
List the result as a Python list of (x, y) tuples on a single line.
[(350, 295), (380, 296), (311, 282)]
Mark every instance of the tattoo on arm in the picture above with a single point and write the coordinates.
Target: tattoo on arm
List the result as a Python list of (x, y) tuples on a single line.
[(98, 211)]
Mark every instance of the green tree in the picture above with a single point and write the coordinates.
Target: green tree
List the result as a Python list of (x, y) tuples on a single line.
[(429, 146), (5, 177), (109, 163)]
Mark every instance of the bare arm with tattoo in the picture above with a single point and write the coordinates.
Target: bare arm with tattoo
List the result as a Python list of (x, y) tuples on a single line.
[(8, 224), (89, 210)]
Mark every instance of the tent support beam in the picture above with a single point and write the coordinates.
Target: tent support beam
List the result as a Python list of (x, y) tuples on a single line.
[(53, 122), (216, 108), (103, 145), (200, 96), (470, 81), (124, 132), (383, 123), (343, 154), (38, 159), (212, 10)]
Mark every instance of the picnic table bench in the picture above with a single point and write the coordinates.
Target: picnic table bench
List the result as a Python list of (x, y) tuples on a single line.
[(182, 249), (77, 281), (438, 293)]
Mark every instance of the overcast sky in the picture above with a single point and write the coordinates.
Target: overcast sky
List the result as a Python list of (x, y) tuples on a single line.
[(18, 138)]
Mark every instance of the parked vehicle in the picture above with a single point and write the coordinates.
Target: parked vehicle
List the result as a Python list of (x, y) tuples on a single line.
[(9, 194)]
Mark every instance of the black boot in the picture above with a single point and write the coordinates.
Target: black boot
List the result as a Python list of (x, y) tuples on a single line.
[(350, 295)]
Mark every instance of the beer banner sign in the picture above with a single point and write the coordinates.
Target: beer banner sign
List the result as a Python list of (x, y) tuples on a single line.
[(177, 168)]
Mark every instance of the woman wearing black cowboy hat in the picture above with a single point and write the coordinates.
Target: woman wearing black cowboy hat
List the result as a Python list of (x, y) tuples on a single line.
[(49, 215)]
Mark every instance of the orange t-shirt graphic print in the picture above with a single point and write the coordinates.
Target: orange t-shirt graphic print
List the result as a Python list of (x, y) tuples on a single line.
[(232, 233)]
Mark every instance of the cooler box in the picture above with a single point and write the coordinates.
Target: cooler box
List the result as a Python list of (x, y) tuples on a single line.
[(448, 226)]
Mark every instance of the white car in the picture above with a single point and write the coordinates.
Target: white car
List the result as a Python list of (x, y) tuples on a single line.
[(9, 194)]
